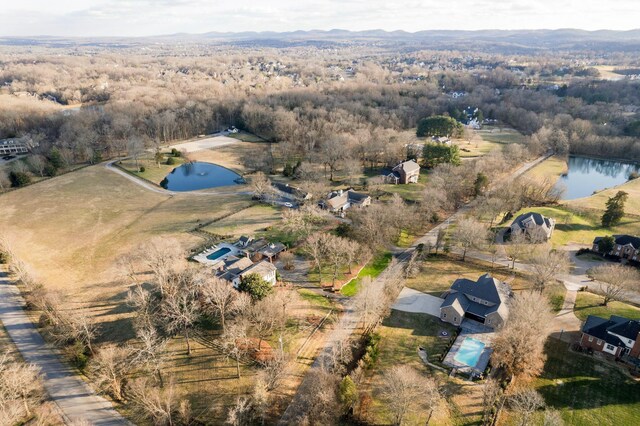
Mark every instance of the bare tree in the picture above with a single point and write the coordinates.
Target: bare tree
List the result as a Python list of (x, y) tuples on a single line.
[(37, 163), (149, 354), (552, 418), (135, 147), (546, 264), (314, 247), (109, 370), (469, 233), (525, 403), (274, 370), (491, 397), (162, 256), (235, 342), (614, 280), (265, 317), (519, 345), (180, 308), (517, 246), (260, 185), (162, 406), (219, 298), (405, 389), (320, 399), (20, 390), (370, 303)]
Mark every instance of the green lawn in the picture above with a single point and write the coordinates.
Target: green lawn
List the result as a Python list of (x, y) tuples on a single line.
[(246, 137), (315, 298), (372, 269), (400, 336), (591, 304), (582, 227), (501, 136), (153, 172), (587, 391), (598, 200), (410, 191)]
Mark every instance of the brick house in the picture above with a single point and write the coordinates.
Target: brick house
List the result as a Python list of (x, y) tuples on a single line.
[(484, 301), (626, 247), (617, 336)]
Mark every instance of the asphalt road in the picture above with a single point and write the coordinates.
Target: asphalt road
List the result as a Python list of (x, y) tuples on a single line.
[(76, 400)]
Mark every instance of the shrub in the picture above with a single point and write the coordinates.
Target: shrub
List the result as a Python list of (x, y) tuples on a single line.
[(175, 152), (50, 170), (634, 175), (171, 161), (142, 169), (19, 179)]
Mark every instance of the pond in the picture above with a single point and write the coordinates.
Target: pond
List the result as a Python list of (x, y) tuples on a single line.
[(587, 175), (198, 175)]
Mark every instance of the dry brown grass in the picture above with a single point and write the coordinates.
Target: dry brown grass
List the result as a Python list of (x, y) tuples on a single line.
[(71, 229), (246, 222)]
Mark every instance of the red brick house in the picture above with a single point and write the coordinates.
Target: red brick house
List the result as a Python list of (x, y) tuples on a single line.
[(625, 247), (617, 336)]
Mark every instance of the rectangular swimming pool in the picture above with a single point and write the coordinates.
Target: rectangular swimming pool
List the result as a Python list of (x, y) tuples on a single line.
[(469, 352), (218, 253)]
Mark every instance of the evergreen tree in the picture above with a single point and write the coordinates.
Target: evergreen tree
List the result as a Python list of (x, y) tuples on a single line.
[(615, 209)]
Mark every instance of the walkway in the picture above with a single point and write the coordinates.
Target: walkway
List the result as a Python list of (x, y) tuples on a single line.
[(415, 301), (77, 401)]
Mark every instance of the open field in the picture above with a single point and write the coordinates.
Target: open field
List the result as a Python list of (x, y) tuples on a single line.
[(246, 137), (598, 201), (551, 168), (583, 227), (591, 304), (409, 192), (247, 221), (587, 391), (153, 172), (71, 229), (400, 336), (439, 272)]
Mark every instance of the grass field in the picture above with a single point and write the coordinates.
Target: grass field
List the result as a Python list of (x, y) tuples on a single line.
[(401, 334), (582, 226), (551, 169), (153, 172), (372, 269), (247, 221), (587, 391), (72, 228), (411, 191), (591, 304), (598, 201), (246, 137)]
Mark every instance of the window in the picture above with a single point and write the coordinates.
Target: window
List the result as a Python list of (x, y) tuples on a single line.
[(444, 315), (591, 338), (455, 319), (610, 347), (599, 342)]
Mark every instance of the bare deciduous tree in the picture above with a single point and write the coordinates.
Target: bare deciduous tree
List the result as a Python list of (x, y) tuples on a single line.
[(469, 233), (519, 345), (517, 246), (525, 402), (219, 298), (109, 370), (546, 264), (260, 186), (405, 389), (20, 389), (614, 280)]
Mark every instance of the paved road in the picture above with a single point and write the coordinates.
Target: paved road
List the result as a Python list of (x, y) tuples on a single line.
[(77, 401)]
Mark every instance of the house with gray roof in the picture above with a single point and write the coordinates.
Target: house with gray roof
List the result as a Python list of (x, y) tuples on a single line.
[(534, 225), (234, 269), (403, 173), (625, 247), (339, 201), (616, 336), (484, 301)]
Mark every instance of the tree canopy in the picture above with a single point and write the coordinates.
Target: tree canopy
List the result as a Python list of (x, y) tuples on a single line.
[(439, 125), (615, 209)]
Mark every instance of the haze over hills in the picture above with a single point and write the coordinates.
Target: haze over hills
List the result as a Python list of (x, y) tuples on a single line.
[(520, 39)]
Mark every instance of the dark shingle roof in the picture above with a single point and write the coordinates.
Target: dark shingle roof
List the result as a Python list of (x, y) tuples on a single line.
[(602, 328), (485, 288), (537, 218)]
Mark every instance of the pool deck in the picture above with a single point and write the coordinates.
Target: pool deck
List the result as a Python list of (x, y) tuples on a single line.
[(202, 257), (476, 331)]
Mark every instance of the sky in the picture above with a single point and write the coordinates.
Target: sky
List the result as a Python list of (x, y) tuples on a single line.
[(158, 17)]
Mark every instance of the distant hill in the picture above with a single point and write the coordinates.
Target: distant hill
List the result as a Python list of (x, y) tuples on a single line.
[(491, 39)]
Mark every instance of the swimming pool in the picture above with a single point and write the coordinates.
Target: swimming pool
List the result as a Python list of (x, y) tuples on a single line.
[(219, 253), (469, 352)]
